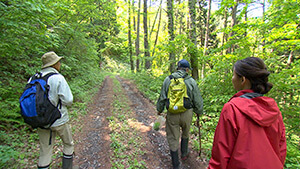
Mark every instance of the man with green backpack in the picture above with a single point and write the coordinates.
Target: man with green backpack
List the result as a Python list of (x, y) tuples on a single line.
[(181, 97)]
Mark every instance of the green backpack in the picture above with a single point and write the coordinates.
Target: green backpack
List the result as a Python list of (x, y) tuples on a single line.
[(177, 100)]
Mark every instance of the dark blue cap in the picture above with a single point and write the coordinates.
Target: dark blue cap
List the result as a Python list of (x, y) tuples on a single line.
[(183, 64)]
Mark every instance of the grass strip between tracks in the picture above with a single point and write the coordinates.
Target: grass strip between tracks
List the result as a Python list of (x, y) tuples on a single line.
[(126, 142)]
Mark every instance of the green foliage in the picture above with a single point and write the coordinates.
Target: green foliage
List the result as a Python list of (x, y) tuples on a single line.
[(16, 148), (149, 85), (292, 160), (181, 46), (28, 29), (116, 49), (156, 126), (7, 153), (286, 81)]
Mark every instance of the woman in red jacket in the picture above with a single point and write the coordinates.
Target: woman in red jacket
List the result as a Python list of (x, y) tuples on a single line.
[(250, 133)]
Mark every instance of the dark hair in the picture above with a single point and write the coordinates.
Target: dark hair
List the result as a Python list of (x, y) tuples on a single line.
[(255, 70)]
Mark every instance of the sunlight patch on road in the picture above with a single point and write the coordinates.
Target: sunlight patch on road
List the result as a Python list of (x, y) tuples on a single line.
[(139, 126)]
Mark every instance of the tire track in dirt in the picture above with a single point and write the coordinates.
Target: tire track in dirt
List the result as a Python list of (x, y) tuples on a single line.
[(156, 148), (92, 144)]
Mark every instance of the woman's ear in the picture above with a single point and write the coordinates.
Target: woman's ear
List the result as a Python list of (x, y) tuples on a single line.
[(246, 83), (243, 79)]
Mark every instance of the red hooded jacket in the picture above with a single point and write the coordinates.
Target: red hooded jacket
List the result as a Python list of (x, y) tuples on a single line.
[(250, 135)]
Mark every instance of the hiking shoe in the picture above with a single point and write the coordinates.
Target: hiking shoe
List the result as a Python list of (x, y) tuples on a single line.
[(183, 158)]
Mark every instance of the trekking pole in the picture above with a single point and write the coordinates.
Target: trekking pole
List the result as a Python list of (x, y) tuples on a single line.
[(198, 125)]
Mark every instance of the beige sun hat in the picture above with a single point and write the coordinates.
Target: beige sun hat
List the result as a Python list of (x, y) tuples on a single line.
[(50, 58)]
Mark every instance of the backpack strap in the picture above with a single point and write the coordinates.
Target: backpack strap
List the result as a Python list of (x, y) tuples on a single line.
[(187, 77), (48, 75), (39, 76), (36, 76), (251, 95)]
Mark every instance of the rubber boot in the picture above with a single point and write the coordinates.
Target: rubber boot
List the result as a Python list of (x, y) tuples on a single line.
[(67, 161), (44, 167), (175, 159), (184, 148)]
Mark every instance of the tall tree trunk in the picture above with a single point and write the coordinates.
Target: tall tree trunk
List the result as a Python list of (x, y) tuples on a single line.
[(233, 21), (264, 42), (146, 45), (187, 23), (134, 23), (129, 35), (246, 17), (290, 58), (200, 26), (180, 20), (137, 41), (193, 56), (206, 37), (225, 36), (158, 27), (151, 31), (171, 32)]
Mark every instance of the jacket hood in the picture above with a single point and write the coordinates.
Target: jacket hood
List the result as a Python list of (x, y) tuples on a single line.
[(179, 73), (263, 110)]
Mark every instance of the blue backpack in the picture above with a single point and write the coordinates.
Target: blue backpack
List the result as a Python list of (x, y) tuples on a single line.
[(36, 108)]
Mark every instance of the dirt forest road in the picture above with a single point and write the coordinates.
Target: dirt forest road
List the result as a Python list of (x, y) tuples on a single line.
[(117, 132)]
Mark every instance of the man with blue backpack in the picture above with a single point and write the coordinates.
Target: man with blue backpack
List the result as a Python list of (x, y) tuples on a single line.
[(44, 106), (181, 97)]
